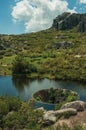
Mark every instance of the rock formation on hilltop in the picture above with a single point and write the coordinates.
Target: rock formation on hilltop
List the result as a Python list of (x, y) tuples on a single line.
[(69, 21)]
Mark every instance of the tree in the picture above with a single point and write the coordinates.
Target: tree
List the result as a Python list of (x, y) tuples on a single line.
[(21, 66)]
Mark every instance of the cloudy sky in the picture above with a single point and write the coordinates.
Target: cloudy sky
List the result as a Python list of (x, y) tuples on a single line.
[(25, 16)]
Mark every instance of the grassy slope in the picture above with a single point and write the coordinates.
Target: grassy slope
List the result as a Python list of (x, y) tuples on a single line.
[(40, 49)]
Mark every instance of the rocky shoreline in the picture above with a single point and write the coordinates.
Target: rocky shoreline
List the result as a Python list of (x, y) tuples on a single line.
[(66, 111)]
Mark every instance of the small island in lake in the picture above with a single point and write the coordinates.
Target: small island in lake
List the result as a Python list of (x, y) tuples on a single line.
[(55, 96)]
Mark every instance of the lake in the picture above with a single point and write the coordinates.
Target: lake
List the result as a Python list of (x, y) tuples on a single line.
[(24, 88)]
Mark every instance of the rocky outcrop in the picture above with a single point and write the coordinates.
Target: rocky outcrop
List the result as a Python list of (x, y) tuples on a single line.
[(51, 117), (40, 109), (66, 111), (78, 105), (69, 21)]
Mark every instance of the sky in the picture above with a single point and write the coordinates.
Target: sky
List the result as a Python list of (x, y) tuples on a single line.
[(26, 16)]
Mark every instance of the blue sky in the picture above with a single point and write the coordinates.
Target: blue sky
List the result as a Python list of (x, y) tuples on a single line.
[(25, 16), (7, 26)]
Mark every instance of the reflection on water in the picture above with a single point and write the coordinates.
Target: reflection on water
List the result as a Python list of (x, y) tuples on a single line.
[(20, 82), (24, 88)]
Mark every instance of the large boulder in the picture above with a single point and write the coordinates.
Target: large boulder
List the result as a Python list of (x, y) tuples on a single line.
[(49, 118), (49, 115), (78, 105), (70, 111)]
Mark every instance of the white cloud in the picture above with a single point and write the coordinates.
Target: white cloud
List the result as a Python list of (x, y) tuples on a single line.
[(38, 14), (83, 1)]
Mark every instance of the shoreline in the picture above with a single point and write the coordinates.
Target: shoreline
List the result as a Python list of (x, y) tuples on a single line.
[(43, 77)]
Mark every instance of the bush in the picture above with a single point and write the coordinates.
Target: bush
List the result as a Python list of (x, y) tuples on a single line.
[(12, 120), (14, 103), (71, 98), (4, 107), (19, 114)]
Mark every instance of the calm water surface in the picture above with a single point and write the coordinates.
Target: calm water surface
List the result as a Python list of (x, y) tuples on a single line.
[(25, 88)]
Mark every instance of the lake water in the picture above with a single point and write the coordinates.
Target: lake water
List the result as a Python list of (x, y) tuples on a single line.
[(24, 88)]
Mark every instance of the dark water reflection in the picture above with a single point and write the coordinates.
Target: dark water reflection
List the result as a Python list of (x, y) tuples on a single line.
[(25, 88), (19, 83)]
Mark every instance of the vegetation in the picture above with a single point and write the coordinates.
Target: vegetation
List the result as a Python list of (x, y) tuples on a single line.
[(22, 66), (16, 114), (53, 54)]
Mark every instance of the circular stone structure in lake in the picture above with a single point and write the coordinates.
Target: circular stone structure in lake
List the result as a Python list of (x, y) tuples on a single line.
[(55, 96)]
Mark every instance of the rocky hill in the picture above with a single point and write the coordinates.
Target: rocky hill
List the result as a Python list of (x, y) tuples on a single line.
[(69, 21)]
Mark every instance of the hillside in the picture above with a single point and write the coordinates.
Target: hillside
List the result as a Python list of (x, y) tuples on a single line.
[(56, 54)]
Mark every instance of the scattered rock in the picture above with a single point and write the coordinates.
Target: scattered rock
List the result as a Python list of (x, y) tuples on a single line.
[(62, 37), (64, 45), (78, 105), (4, 65), (47, 123), (77, 56), (40, 108)]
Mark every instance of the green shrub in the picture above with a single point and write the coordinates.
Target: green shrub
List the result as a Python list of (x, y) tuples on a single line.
[(4, 107), (38, 98), (12, 120), (14, 103), (71, 98), (58, 105), (66, 114)]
